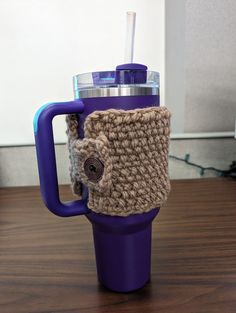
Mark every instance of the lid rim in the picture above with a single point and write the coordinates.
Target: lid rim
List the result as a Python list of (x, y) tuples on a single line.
[(116, 92)]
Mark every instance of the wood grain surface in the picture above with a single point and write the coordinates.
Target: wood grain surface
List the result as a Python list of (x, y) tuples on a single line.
[(47, 263)]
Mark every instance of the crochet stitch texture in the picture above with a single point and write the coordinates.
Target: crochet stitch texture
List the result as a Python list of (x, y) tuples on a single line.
[(133, 148)]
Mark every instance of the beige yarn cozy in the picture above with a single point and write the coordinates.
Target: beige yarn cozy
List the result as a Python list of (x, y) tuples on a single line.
[(122, 159)]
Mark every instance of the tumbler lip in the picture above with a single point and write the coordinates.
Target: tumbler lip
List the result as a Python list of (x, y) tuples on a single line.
[(103, 84), (115, 92)]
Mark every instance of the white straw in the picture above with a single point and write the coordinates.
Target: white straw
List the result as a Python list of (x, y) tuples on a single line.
[(130, 31)]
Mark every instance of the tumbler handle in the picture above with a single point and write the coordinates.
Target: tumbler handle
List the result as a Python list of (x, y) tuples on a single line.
[(47, 161)]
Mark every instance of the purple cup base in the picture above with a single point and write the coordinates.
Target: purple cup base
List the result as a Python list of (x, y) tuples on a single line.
[(123, 249)]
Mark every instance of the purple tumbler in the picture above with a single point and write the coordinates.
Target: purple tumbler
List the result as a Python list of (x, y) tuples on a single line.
[(122, 244)]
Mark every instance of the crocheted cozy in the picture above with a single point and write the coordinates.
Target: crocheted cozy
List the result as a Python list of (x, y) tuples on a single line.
[(123, 159)]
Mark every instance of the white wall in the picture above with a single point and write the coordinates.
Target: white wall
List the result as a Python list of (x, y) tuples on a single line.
[(44, 43)]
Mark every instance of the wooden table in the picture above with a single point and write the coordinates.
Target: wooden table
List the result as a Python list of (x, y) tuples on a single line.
[(47, 263)]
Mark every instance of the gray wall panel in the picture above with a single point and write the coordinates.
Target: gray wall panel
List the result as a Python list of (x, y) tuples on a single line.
[(18, 165), (210, 76)]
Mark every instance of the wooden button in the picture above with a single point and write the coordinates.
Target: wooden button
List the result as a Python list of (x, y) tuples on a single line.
[(93, 169)]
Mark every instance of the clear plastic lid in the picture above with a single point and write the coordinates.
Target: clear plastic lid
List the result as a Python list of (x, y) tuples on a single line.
[(122, 82)]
